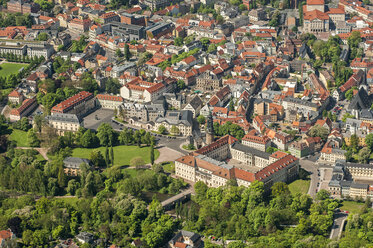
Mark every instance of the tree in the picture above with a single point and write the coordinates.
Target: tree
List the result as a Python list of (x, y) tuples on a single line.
[(152, 154), (112, 86), (174, 130), (32, 138), (119, 53), (364, 155), (322, 195), (180, 84), (201, 119), (88, 139), (275, 19), (42, 37), (61, 176), (231, 105), (137, 162), (354, 142), (369, 141), (107, 158), (72, 186), (162, 129), (319, 131), (97, 158), (349, 94), (38, 120), (280, 188), (112, 155), (127, 53), (237, 244), (105, 134), (126, 136), (179, 41)]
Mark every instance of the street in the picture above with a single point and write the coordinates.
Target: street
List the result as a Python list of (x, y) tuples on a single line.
[(337, 228), (312, 168)]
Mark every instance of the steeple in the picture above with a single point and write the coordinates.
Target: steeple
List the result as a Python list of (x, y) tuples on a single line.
[(209, 129)]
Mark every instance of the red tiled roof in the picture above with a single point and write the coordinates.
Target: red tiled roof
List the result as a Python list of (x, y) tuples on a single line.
[(109, 97), (256, 139), (315, 14), (65, 106), (274, 167), (15, 93), (315, 2), (25, 105)]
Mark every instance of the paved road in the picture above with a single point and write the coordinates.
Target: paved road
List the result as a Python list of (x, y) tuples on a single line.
[(337, 228), (312, 168)]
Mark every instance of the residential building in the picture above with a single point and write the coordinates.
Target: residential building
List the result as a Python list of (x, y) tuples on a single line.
[(79, 104), (109, 101), (186, 239), (72, 165), (15, 97), (8, 239), (183, 120), (64, 122), (194, 105), (257, 142), (25, 109), (20, 6)]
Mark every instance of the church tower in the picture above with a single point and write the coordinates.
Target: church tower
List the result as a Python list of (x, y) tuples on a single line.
[(209, 129)]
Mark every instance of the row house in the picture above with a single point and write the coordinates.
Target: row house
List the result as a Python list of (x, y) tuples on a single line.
[(24, 110)]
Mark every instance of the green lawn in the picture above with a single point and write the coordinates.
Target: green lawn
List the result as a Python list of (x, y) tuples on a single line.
[(7, 69), (20, 137), (122, 154), (39, 157), (299, 186), (351, 206), (68, 200)]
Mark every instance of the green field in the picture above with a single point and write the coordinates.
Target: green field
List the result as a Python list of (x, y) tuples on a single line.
[(351, 206), (122, 154), (299, 186), (20, 137), (7, 69)]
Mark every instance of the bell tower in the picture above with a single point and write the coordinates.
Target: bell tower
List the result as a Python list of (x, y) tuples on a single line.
[(209, 129)]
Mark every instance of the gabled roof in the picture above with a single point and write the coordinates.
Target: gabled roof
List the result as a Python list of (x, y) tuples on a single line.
[(315, 14)]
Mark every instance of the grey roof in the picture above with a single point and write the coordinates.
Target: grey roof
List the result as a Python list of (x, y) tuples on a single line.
[(346, 184), (191, 235), (360, 101), (366, 114), (301, 102), (184, 117), (215, 162), (357, 165), (69, 118), (73, 162), (359, 185), (247, 149), (196, 102), (304, 50)]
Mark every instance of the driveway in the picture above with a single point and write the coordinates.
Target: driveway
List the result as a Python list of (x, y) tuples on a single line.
[(167, 154), (312, 168), (94, 120), (337, 228)]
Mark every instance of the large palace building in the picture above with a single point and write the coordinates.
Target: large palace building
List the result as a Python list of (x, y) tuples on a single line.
[(227, 159)]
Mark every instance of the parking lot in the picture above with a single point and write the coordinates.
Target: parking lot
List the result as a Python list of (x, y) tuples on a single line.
[(93, 120)]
